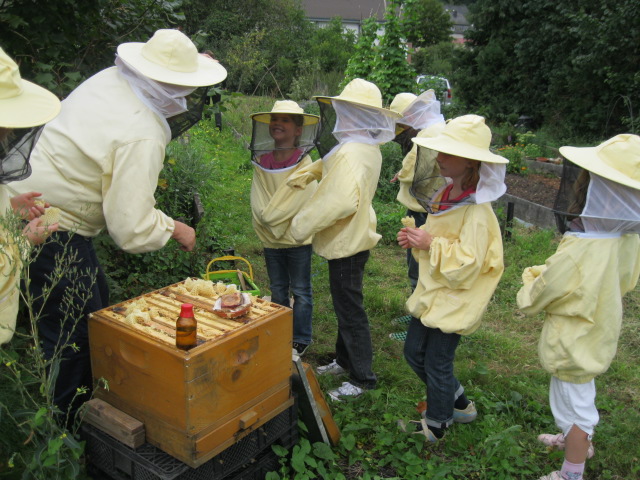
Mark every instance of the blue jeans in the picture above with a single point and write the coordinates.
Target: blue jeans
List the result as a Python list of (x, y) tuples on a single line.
[(81, 291), (412, 263), (354, 351), (430, 353), (289, 272)]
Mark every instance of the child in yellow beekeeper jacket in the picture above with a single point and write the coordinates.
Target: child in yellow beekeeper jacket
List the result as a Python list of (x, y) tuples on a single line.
[(342, 221), (459, 253), (280, 142), (22, 105), (580, 289)]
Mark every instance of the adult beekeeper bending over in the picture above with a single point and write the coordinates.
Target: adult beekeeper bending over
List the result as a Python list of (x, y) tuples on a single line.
[(99, 162)]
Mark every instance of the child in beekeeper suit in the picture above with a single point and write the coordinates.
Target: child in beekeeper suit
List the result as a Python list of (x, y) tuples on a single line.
[(22, 105), (340, 217), (421, 117), (580, 289), (459, 253), (280, 142)]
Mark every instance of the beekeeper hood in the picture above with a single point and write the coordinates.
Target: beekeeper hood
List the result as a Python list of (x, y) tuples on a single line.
[(23, 105), (356, 115), (418, 112), (467, 136), (166, 70), (608, 200), (286, 129)]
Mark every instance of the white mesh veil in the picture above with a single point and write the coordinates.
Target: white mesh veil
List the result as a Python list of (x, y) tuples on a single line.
[(611, 207), (423, 112), (357, 123)]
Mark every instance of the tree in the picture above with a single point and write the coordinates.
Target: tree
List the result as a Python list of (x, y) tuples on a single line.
[(332, 45), (384, 64), (572, 65), (392, 73), (58, 43), (361, 63), (425, 22)]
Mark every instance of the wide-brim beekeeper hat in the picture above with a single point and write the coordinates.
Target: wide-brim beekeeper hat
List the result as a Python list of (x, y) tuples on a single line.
[(467, 136), (617, 159), (169, 56), (361, 93), (23, 104), (288, 107), (401, 101)]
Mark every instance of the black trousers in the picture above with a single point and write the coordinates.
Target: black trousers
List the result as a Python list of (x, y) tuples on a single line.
[(67, 268), (354, 351)]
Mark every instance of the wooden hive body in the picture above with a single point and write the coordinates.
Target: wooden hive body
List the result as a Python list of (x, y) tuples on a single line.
[(194, 403)]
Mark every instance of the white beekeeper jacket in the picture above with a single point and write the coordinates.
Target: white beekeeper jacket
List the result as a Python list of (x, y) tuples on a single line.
[(339, 215), (99, 162), (461, 269), (580, 288), (10, 267), (274, 204)]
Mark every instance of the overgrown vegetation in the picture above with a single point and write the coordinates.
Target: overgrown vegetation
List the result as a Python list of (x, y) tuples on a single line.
[(570, 65)]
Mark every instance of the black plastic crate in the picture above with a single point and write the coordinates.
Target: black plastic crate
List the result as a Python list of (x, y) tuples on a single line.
[(120, 462)]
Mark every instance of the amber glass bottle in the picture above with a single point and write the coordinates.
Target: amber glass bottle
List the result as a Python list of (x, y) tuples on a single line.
[(186, 328)]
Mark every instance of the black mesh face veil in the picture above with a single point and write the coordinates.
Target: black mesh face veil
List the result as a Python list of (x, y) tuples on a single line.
[(262, 143), (426, 179), (571, 196), (184, 121), (325, 140), (15, 151)]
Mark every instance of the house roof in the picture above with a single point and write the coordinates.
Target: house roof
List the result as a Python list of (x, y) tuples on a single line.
[(458, 13), (348, 10)]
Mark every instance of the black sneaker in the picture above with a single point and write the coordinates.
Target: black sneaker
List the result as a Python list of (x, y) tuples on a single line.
[(299, 348)]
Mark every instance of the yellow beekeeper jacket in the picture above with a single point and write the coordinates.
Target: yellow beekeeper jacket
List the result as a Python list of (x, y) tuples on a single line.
[(405, 175), (274, 204), (580, 288), (99, 162), (10, 267), (460, 271), (339, 215)]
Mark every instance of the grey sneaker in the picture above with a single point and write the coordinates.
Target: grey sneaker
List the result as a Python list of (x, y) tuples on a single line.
[(333, 368), (346, 390), (467, 415)]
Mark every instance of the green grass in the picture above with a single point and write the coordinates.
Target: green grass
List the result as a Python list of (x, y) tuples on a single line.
[(497, 365)]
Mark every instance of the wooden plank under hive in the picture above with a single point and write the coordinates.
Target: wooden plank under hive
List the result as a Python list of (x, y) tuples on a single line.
[(194, 403)]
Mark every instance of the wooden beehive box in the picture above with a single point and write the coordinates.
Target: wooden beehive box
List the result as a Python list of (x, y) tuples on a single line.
[(194, 403)]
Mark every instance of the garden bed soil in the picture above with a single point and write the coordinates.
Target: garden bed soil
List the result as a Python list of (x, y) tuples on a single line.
[(536, 188)]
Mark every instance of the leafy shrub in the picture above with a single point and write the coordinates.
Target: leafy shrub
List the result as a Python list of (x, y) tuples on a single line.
[(391, 164)]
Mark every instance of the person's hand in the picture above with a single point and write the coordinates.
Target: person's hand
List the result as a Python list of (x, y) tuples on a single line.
[(394, 179), (415, 238), (37, 231), (184, 235), (25, 205), (402, 238)]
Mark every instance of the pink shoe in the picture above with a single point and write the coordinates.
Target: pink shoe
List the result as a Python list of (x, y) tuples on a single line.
[(557, 442)]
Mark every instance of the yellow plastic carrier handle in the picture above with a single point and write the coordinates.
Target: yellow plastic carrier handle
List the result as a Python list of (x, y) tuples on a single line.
[(225, 258)]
